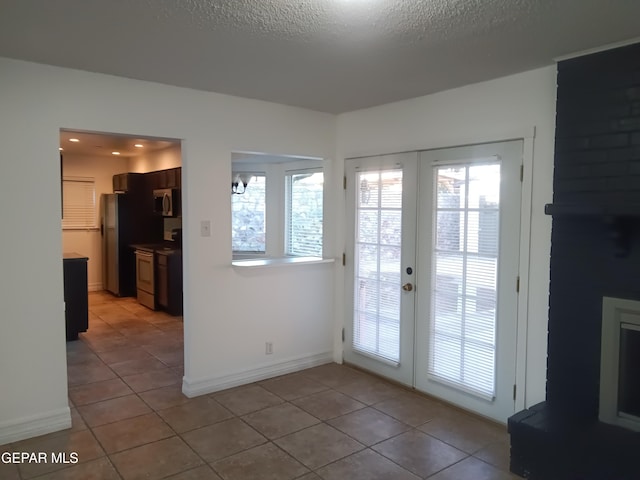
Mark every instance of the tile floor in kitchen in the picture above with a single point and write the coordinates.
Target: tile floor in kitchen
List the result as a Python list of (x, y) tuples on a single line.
[(131, 421)]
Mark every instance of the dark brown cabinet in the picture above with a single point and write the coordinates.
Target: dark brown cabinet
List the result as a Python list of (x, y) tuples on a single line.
[(76, 295), (170, 178), (169, 281), (126, 182)]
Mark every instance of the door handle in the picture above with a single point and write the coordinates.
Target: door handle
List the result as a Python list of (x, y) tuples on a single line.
[(407, 287)]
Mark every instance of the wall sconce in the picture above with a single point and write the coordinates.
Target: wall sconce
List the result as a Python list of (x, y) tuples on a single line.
[(240, 179)]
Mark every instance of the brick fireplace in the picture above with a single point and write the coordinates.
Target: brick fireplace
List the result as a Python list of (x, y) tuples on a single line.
[(595, 253)]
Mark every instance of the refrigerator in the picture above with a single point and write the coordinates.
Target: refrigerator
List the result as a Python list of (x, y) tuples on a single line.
[(118, 260)]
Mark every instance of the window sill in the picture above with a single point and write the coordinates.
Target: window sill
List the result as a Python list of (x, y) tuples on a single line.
[(276, 262)]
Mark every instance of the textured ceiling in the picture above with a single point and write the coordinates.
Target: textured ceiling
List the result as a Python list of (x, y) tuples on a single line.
[(327, 55)]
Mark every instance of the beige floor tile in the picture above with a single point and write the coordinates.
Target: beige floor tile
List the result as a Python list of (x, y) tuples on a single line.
[(132, 432), (164, 397), (100, 469), (223, 439), (77, 423), (370, 390), (280, 420), (83, 374), (318, 445), (154, 379), (369, 426), (412, 409), (108, 344), (98, 391), (464, 432), (113, 410), (150, 338), (134, 367), (497, 454), (83, 443), (197, 413), (156, 460), (8, 471), (328, 404), (419, 453), (473, 469), (266, 462), (247, 399), (83, 357), (201, 473), (366, 465), (310, 476), (293, 386), (123, 355), (333, 375), (171, 357)]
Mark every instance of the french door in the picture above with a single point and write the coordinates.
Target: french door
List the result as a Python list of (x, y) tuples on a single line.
[(434, 241), (381, 201)]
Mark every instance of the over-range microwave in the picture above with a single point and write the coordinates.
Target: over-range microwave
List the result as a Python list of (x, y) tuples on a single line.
[(166, 202)]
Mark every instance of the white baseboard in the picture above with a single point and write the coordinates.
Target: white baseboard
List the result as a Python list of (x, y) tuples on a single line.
[(95, 287), (194, 388), (35, 425)]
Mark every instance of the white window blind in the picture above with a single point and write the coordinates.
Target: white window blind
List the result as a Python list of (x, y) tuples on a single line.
[(78, 203), (303, 216), (465, 278), (248, 222), (376, 327)]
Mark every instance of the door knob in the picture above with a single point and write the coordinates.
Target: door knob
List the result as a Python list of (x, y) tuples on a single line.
[(407, 287)]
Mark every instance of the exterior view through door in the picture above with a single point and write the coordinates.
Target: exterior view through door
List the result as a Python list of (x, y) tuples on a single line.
[(433, 240)]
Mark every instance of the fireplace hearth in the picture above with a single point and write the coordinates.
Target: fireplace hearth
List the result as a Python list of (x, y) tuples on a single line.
[(595, 253)]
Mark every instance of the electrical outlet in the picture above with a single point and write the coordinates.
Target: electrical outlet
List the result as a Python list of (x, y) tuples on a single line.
[(268, 348)]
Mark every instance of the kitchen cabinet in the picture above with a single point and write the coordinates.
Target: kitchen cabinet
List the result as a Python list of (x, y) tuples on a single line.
[(170, 178), (127, 182), (169, 281), (76, 295)]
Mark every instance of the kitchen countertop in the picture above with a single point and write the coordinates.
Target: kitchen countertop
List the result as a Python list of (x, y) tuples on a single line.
[(161, 247), (74, 256)]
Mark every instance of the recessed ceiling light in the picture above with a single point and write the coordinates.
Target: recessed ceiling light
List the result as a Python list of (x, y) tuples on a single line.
[(60, 148), (115, 153), (138, 145), (74, 140)]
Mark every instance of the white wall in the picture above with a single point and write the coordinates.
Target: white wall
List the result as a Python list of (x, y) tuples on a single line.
[(229, 314), (89, 242), (157, 160), (501, 109)]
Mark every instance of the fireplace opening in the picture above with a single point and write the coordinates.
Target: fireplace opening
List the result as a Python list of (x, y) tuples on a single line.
[(620, 363), (629, 375)]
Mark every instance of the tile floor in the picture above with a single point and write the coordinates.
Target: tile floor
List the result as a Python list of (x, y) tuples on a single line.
[(131, 421)]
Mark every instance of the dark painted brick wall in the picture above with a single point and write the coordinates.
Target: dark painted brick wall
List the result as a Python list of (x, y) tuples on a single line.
[(597, 163)]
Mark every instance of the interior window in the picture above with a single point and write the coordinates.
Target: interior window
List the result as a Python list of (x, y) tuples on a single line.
[(304, 213), (248, 218), (286, 190)]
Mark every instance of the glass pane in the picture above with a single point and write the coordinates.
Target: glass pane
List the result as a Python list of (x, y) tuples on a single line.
[(464, 298), (248, 217), (378, 252), (304, 214), (450, 187)]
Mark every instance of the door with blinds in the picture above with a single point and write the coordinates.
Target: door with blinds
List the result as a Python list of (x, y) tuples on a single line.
[(380, 266), (466, 312)]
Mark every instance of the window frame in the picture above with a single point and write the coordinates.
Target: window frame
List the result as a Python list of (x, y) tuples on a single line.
[(288, 209)]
